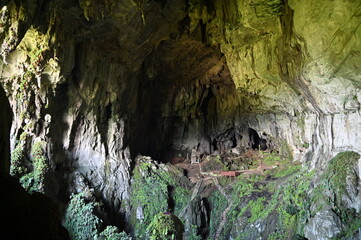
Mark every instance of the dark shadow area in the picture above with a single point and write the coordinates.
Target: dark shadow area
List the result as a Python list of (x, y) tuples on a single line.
[(205, 219), (181, 93), (256, 142), (170, 200), (5, 126), (225, 140), (23, 215), (56, 134), (28, 216)]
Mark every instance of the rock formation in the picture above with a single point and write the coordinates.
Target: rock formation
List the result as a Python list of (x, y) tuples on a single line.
[(91, 84)]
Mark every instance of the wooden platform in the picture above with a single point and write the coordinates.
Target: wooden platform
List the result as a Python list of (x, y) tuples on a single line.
[(230, 173)]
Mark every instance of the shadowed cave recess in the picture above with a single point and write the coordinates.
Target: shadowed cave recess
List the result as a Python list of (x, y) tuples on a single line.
[(181, 119)]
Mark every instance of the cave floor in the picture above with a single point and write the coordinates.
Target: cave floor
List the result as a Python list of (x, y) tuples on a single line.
[(230, 164), (222, 171)]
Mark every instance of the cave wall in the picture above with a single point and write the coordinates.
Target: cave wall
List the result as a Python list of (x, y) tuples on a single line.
[(293, 64), (101, 81), (186, 95), (72, 77)]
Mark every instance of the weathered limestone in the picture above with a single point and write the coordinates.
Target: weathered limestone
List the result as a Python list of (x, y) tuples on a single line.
[(102, 81), (325, 225)]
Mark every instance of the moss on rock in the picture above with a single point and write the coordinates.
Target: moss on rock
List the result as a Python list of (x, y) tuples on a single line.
[(338, 169), (156, 188)]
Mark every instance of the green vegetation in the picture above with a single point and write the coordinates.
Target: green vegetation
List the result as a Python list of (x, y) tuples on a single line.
[(286, 170), (306, 145), (256, 208), (193, 235), (339, 170), (214, 163), (286, 199), (112, 233), (27, 79), (283, 165), (352, 221), (295, 203), (240, 191), (149, 192), (153, 190), (273, 159), (164, 226), (82, 223), (80, 220), (35, 180), (36, 45), (17, 167), (218, 204)]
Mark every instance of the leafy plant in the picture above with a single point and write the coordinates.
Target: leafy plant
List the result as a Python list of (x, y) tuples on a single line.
[(35, 180), (17, 166), (193, 235), (286, 171), (257, 209), (164, 227), (80, 220), (112, 233)]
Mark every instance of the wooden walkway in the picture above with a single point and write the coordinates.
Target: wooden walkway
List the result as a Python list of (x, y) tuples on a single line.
[(259, 170)]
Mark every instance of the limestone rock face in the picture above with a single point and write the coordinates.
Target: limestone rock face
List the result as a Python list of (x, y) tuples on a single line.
[(284, 60), (325, 225), (103, 81)]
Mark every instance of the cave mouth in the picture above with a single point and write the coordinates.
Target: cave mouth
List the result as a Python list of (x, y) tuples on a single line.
[(255, 141), (5, 123), (187, 101)]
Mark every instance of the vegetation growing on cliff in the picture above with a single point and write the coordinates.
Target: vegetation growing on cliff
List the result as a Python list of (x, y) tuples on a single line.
[(154, 190), (82, 222), (165, 226), (112, 233), (340, 180), (286, 68), (34, 181), (256, 201), (17, 164), (337, 172)]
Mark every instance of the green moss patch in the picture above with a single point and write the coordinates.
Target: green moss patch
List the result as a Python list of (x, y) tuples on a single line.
[(35, 180), (285, 198), (337, 172), (17, 162), (82, 222), (156, 188), (340, 167), (165, 226)]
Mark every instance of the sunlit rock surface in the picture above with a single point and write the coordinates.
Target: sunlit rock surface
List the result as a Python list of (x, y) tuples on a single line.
[(103, 81)]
